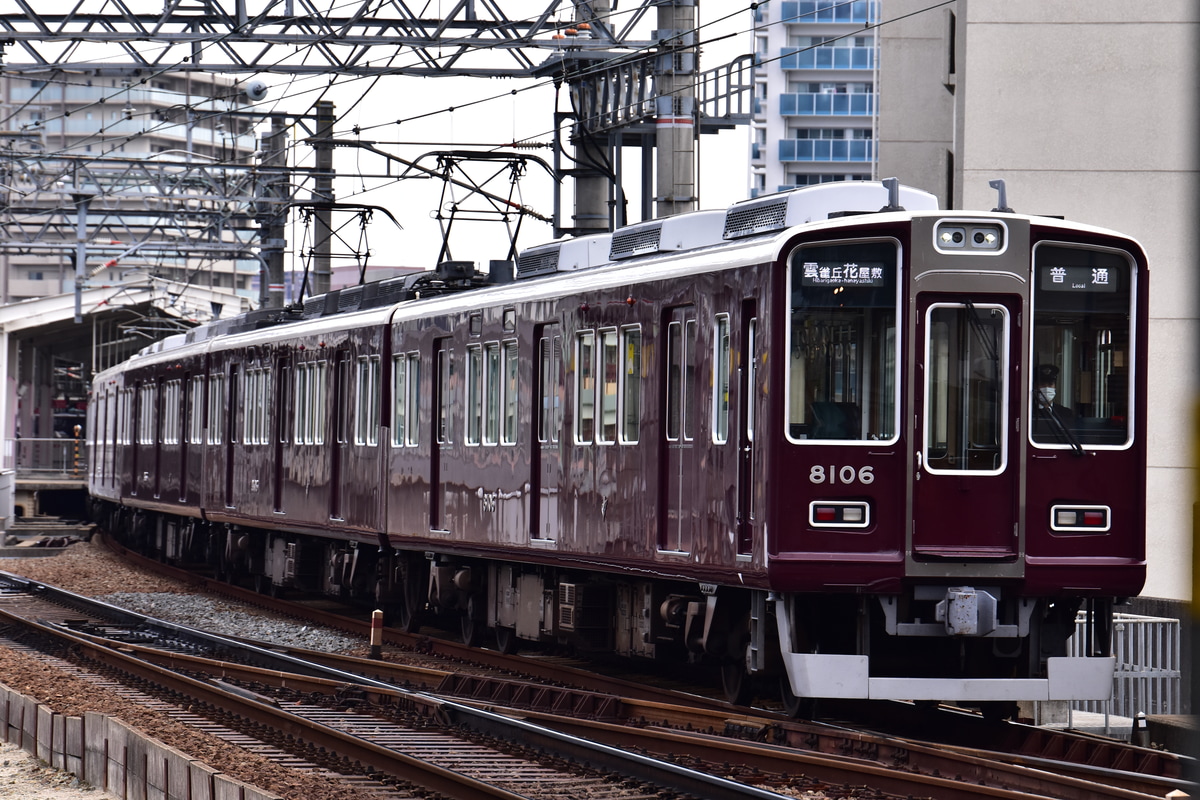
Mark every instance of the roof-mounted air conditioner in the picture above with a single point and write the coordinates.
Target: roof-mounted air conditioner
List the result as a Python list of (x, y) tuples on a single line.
[(818, 203), (682, 232)]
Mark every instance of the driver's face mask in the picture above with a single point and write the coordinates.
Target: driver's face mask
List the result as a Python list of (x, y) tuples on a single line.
[(1046, 395)]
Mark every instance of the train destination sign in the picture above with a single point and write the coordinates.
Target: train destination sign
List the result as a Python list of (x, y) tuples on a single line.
[(1078, 279), (827, 273)]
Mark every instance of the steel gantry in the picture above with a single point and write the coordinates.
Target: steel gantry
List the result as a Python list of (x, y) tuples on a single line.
[(626, 88)]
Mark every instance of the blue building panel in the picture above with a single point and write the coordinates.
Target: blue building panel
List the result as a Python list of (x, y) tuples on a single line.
[(828, 58), (847, 150), (814, 104), (836, 11)]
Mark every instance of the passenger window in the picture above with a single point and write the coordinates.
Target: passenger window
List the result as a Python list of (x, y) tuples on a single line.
[(366, 417), (549, 388), (511, 397), (721, 380), (474, 394), (585, 387), (631, 384)]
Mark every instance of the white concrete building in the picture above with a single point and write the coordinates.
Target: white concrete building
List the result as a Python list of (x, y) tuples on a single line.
[(1086, 111)]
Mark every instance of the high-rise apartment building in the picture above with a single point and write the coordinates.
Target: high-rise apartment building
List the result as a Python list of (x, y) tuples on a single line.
[(148, 154), (815, 93)]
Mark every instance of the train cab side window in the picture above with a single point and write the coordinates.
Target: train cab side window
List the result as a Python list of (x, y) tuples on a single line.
[(1081, 371), (721, 380), (842, 361), (366, 413)]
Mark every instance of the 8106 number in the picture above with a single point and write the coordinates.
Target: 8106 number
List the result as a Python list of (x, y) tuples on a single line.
[(846, 474)]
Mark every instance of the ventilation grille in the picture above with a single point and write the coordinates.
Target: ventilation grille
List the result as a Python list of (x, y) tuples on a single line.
[(758, 218), (636, 241), (538, 262), (566, 606)]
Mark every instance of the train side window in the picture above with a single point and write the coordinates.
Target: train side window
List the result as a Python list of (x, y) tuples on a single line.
[(216, 408), (585, 387), (508, 434), (492, 387), (444, 366), (170, 412), (196, 407), (309, 414), (474, 394), (406, 396), (682, 391), (721, 358), (631, 384), (549, 389), (366, 415), (257, 402), (146, 414), (608, 372)]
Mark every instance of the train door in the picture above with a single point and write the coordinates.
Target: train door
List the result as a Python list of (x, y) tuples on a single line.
[(547, 470), (341, 438), (231, 420), (443, 432), (183, 429), (281, 412), (678, 516), (966, 488), (747, 385)]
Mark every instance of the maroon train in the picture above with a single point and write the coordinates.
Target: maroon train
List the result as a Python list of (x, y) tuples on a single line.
[(808, 438)]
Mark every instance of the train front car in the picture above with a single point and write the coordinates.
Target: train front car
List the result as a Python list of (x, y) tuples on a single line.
[(959, 466)]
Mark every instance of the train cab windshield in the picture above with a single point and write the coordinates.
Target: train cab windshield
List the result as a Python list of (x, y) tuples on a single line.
[(842, 360), (1082, 344)]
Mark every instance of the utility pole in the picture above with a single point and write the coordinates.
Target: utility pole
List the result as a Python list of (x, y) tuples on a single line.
[(675, 127), (322, 195), (592, 183), (273, 191)]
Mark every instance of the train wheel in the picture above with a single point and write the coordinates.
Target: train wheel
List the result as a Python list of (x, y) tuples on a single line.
[(793, 706), (472, 624), (736, 682), (735, 673), (506, 640), (409, 604)]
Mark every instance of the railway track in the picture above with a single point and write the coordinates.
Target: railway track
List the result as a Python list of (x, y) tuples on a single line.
[(763, 749)]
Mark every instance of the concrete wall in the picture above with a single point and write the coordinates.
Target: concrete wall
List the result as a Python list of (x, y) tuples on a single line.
[(107, 754), (1087, 110)]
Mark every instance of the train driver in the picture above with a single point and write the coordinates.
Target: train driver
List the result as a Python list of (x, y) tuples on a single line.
[(1052, 421)]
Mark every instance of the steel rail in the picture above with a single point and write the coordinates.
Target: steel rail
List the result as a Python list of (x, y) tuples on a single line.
[(123, 656)]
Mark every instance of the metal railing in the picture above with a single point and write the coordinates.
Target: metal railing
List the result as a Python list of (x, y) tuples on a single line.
[(47, 458), (1149, 677)]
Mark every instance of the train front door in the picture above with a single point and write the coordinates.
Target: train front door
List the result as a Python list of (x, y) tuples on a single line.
[(966, 481), (678, 515)]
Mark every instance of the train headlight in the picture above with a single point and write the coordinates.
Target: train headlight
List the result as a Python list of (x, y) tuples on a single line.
[(967, 236), (839, 514)]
